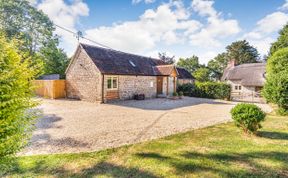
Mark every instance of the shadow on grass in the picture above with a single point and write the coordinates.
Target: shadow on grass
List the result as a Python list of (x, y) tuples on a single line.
[(41, 168), (273, 135), (226, 164)]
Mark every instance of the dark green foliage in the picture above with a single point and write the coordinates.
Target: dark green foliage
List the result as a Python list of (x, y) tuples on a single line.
[(247, 117), (216, 90), (217, 65), (16, 114), (242, 52), (276, 86), (282, 41), (20, 20), (167, 59), (181, 93), (55, 60), (276, 91), (191, 64), (175, 94)]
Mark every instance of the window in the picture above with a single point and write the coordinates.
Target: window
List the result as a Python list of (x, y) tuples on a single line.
[(112, 83), (238, 87)]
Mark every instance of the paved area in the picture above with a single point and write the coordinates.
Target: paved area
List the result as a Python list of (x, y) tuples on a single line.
[(76, 126)]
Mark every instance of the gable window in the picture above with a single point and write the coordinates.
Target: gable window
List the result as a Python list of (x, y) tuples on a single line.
[(112, 83)]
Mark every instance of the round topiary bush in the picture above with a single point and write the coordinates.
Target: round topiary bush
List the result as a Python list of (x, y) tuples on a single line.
[(247, 117)]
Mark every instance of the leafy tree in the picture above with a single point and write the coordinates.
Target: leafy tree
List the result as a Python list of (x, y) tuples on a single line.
[(276, 86), (242, 52), (56, 61), (18, 19), (217, 65), (282, 41), (202, 74), (16, 116), (191, 64), (166, 59)]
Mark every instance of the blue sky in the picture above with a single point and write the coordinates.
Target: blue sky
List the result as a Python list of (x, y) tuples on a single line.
[(178, 27)]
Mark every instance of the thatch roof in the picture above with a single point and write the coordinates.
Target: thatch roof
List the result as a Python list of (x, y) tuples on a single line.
[(249, 74)]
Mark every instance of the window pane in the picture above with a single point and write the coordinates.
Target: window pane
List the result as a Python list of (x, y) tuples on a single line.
[(240, 87), (236, 87), (109, 83), (115, 83)]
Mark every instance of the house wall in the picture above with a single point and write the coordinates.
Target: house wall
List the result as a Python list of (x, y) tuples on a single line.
[(83, 79), (244, 89), (185, 81), (128, 86)]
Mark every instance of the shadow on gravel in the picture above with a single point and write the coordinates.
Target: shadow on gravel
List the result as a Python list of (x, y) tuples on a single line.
[(165, 104)]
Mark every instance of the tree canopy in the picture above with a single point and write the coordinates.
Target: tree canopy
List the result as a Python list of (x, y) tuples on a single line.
[(282, 41), (191, 63), (242, 52), (202, 74), (167, 59), (20, 20), (217, 65)]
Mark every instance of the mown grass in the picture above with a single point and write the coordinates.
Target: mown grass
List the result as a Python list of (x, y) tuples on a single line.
[(218, 151)]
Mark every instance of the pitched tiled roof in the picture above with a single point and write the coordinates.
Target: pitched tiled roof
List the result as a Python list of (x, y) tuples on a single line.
[(163, 69), (250, 74), (110, 61), (184, 74)]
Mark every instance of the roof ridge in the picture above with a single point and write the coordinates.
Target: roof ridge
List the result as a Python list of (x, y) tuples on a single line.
[(118, 51)]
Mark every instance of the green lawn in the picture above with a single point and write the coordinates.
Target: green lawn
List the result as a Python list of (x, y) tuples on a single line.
[(218, 151)]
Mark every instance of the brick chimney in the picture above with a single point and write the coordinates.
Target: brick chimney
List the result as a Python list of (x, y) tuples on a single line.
[(231, 63)]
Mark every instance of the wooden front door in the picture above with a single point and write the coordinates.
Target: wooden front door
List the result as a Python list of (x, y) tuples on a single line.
[(159, 85)]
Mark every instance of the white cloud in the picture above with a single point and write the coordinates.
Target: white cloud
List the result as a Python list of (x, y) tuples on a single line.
[(145, 1), (65, 15), (260, 36), (153, 26), (284, 6), (216, 28)]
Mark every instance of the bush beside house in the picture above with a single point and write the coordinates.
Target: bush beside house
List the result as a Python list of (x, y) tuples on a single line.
[(276, 87), (214, 90)]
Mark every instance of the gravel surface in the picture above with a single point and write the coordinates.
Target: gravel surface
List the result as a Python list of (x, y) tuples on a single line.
[(76, 126)]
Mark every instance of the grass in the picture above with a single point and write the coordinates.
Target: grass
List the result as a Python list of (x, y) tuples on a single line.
[(218, 151)]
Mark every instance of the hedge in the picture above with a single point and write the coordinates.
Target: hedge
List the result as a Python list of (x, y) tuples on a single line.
[(214, 90)]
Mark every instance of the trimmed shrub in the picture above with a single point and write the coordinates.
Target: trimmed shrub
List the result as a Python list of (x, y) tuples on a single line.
[(247, 117), (214, 90), (187, 89)]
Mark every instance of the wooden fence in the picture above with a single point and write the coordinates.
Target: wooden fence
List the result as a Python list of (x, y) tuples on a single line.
[(52, 89)]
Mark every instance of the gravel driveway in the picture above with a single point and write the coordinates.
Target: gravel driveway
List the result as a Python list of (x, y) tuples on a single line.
[(77, 126)]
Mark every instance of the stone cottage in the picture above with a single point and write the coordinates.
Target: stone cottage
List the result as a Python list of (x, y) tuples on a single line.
[(246, 80), (99, 74)]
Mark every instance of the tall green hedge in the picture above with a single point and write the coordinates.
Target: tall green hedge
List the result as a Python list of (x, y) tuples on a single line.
[(276, 86), (16, 103), (214, 90)]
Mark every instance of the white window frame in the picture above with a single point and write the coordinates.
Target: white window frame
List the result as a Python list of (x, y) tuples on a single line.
[(112, 85), (238, 87)]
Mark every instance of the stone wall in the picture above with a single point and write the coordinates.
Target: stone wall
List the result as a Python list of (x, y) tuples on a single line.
[(185, 81), (83, 79), (128, 86)]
